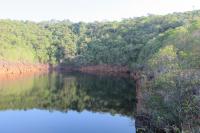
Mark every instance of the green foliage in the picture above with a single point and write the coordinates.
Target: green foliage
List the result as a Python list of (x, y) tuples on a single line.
[(23, 41), (130, 42), (175, 49), (173, 101), (64, 41)]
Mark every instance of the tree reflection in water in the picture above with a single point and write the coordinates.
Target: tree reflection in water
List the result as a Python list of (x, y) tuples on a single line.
[(168, 105), (65, 92)]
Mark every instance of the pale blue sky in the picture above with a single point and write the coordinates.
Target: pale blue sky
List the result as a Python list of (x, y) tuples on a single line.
[(90, 10)]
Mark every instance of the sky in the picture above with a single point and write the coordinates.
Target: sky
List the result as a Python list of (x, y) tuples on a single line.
[(90, 10)]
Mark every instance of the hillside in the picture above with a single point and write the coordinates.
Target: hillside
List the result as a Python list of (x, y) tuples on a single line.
[(136, 43), (23, 41)]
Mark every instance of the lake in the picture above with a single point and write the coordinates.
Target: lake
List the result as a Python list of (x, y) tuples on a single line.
[(70, 102)]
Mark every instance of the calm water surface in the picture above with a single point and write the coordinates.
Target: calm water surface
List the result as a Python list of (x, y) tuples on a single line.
[(67, 103)]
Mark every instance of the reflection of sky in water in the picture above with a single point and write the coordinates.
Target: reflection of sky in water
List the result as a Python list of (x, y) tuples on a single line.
[(40, 121)]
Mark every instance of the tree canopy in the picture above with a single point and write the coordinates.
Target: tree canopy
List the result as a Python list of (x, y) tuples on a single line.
[(131, 42)]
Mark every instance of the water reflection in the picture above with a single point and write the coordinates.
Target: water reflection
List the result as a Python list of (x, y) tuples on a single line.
[(41, 121), (105, 104), (75, 103)]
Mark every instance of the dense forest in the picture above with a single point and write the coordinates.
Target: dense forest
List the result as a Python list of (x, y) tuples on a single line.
[(137, 42)]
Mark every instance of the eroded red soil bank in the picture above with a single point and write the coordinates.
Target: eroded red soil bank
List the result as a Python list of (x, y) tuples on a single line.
[(9, 70), (14, 70), (99, 70), (104, 69)]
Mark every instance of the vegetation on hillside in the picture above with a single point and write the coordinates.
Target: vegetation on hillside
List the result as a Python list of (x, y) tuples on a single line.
[(172, 103), (24, 41), (127, 43)]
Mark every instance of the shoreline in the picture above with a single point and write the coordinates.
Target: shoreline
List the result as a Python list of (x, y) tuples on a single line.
[(111, 70), (13, 70)]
